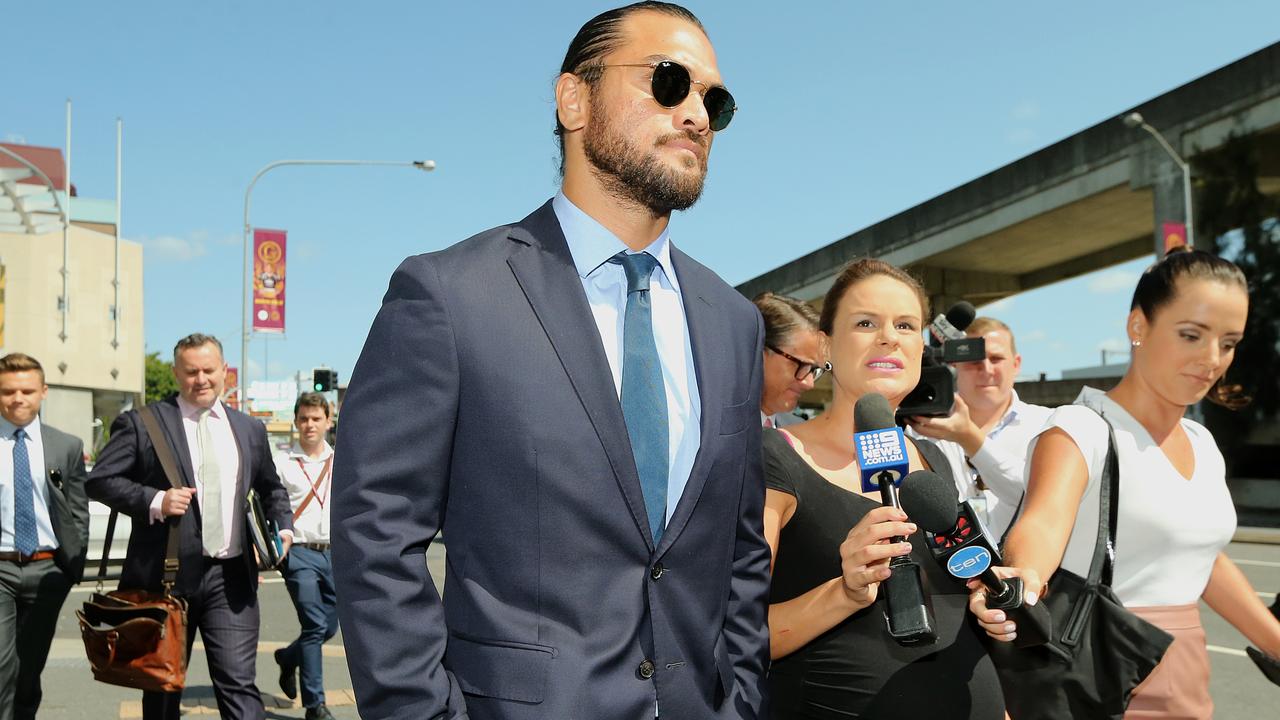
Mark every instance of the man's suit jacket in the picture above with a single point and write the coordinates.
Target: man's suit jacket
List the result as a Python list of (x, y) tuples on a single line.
[(68, 505), (128, 474), (483, 406)]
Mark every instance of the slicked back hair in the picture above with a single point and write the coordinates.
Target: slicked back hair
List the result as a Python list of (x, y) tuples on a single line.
[(602, 35), (21, 362)]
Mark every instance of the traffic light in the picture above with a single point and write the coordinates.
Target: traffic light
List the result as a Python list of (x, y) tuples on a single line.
[(324, 379)]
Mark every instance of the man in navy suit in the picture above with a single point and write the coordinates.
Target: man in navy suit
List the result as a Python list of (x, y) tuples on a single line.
[(222, 454), (574, 403)]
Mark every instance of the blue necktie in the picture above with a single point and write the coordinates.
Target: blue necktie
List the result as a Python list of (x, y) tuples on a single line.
[(24, 500), (644, 396)]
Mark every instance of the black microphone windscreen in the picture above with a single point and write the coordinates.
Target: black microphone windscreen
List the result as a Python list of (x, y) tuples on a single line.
[(872, 412), (929, 501), (961, 315)]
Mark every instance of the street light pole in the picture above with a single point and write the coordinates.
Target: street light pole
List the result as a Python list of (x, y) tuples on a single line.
[(1135, 120), (245, 323)]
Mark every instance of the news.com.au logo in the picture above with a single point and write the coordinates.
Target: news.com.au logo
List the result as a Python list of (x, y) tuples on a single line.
[(881, 448)]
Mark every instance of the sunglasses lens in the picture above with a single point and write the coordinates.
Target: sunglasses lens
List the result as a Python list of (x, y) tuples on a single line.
[(670, 83), (720, 107)]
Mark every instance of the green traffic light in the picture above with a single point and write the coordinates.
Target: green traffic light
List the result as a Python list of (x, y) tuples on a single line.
[(319, 387)]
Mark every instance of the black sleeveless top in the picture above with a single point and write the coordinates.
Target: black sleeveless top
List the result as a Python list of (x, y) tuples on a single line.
[(855, 670)]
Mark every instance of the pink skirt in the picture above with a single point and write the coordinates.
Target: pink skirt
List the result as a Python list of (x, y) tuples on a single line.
[(1178, 689)]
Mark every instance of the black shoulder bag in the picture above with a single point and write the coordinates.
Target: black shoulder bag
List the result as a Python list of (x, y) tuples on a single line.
[(1099, 651)]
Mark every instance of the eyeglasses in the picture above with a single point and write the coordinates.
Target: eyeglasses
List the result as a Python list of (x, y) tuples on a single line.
[(804, 368), (671, 84)]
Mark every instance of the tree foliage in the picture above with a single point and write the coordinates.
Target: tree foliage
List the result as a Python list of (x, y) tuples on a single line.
[(159, 378), (1242, 223)]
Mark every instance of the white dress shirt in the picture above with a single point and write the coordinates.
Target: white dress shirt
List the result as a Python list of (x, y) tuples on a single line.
[(300, 473), (605, 283), (1001, 462), (45, 538)]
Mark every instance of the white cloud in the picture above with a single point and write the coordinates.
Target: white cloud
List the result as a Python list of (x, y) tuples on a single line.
[(175, 249), (1003, 305), (1026, 110), (15, 138), (1113, 281), (1020, 136), (1114, 345), (1033, 336)]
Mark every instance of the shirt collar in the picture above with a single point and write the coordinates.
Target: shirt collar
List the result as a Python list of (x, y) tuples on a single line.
[(33, 429), (296, 451), (591, 244), (191, 412)]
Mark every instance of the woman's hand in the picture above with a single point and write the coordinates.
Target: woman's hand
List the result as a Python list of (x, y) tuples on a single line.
[(866, 551), (995, 622)]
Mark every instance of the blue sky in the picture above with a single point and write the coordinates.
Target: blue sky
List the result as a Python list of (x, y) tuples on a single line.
[(850, 112)]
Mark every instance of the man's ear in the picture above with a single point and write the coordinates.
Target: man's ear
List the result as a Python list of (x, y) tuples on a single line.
[(571, 101)]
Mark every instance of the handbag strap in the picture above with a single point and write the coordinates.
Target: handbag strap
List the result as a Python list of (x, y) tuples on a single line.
[(1102, 567), (164, 452)]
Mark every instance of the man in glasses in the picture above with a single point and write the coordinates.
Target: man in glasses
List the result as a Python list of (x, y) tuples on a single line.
[(572, 401), (794, 356)]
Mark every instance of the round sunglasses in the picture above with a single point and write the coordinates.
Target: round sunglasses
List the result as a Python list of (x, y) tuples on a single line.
[(671, 84)]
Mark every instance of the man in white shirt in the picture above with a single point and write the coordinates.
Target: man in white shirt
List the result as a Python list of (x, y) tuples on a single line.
[(221, 454), (307, 472), (986, 438), (44, 529)]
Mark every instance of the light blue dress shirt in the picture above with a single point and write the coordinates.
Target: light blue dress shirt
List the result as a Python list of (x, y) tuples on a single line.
[(46, 540), (605, 283)]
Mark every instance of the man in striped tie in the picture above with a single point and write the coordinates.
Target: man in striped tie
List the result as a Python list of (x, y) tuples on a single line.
[(44, 529)]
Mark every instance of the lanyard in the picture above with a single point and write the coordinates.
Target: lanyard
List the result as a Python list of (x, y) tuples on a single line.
[(315, 485)]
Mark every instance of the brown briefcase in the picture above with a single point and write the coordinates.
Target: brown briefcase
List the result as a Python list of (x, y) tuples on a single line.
[(138, 638)]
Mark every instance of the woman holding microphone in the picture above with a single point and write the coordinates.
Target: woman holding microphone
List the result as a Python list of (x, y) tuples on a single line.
[(832, 655), (1175, 516)]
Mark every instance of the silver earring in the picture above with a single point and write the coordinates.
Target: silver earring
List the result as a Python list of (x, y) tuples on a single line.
[(1136, 343)]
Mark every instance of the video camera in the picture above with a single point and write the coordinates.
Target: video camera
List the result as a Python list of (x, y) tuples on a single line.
[(935, 394)]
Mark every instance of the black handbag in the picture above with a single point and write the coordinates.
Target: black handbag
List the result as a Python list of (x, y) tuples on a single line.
[(1098, 651)]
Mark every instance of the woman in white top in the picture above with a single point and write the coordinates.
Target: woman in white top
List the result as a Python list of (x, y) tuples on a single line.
[(1175, 515)]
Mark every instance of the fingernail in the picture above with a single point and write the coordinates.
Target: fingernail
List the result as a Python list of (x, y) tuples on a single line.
[(1032, 598), (1012, 636), (912, 526), (1010, 628), (999, 617)]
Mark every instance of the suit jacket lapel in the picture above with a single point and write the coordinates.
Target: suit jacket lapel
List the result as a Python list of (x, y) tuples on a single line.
[(171, 425), (241, 434), (546, 273), (706, 338)]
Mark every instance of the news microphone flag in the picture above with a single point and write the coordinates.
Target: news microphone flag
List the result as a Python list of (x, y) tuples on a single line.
[(881, 452)]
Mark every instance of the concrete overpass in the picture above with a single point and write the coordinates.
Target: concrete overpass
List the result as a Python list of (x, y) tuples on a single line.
[(1095, 199)]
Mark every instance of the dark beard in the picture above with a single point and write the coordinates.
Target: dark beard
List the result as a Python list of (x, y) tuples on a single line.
[(635, 177)]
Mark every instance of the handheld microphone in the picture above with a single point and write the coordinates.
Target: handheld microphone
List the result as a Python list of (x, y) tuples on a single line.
[(882, 459), (962, 544), (947, 331)]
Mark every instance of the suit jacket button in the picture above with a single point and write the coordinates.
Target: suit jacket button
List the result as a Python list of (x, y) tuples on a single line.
[(657, 571), (645, 670)]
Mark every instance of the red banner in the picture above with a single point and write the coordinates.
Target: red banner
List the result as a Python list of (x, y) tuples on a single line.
[(230, 392), (268, 280), (1174, 234)]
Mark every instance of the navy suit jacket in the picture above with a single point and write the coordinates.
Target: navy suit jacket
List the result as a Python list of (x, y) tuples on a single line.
[(127, 475), (483, 406)]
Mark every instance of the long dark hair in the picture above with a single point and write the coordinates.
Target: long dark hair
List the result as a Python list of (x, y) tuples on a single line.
[(600, 36)]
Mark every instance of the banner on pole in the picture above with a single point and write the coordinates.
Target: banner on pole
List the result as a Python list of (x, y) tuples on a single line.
[(268, 280), (231, 393), (1174, 234), (1, 306)]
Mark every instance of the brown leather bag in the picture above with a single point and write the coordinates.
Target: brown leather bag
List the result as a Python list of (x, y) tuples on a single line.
[(138, 638)]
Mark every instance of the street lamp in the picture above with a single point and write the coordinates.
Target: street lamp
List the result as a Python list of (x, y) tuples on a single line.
[(243, 383), (1135, 120)]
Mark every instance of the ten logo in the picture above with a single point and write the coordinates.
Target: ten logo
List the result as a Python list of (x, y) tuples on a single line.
[(969, 562)]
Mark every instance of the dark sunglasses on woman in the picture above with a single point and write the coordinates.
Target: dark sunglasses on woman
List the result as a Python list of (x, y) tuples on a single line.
[(671, 84)]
